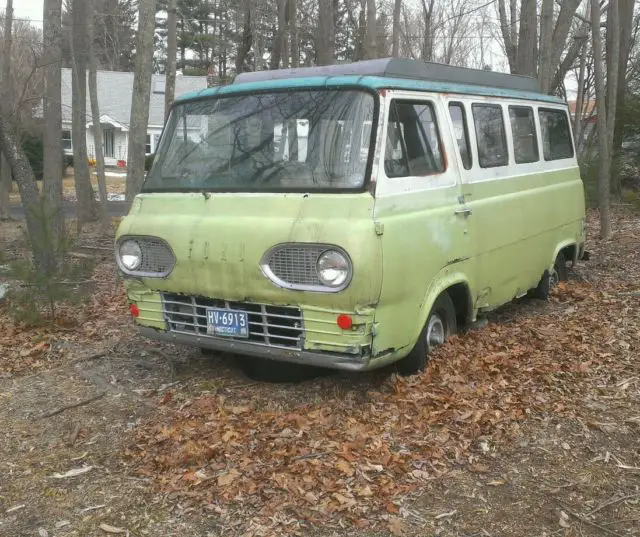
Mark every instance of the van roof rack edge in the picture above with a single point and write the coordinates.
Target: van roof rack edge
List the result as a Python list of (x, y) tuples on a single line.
[(402, 68)]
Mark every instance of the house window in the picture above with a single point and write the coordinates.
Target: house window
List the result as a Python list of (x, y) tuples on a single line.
[(413, 143), (525, 139), (147, 145), (556, 134), (490, 135), (66, 140)]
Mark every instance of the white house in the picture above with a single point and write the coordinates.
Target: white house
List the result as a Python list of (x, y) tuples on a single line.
[(115, 90)]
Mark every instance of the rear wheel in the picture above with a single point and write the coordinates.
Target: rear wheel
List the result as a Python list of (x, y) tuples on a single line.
[(550, 279), (441, 323)]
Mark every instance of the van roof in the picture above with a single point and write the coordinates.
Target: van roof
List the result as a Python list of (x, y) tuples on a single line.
[(388, 73), (401, 68)]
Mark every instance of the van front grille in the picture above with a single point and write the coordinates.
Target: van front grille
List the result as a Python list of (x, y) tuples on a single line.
[(275, 326)]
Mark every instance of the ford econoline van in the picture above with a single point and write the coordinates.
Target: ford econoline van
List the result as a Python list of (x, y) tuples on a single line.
[(351, 216)]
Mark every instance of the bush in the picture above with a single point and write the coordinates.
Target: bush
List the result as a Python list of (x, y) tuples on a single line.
[(148, 162), (33, 147), (67, 161)]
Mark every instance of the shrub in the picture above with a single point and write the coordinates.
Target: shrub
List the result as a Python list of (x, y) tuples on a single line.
[(33, 147), (148, 162)]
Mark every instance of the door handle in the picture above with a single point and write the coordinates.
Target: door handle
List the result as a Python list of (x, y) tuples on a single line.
[(464, 211)]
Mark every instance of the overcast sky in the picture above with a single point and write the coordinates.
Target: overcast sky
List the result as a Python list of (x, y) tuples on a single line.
[(28, 9)]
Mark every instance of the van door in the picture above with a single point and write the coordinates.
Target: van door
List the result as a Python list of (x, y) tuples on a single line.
[(493, 189), (423, 224)]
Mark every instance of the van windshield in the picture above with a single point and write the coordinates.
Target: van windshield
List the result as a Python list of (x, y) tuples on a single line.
[(279, 141)]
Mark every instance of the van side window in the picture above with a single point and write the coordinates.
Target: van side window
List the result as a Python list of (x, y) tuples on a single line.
[(525, 140), (490, 134), (413, 142), (556, 134), (461, 131)]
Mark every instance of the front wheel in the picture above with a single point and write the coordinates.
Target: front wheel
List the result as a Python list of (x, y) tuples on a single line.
[(441, 323)]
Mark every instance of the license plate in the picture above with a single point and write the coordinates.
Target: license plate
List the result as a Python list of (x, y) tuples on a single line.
[(230, 323)]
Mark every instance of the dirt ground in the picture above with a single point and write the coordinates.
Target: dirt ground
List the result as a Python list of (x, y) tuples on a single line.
[(528, 426)]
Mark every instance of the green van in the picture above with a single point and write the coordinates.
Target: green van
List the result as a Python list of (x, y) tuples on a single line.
[(351, 216)]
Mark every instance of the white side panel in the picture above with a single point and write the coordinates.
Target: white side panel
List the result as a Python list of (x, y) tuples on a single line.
[(478, 174), (389, 187)]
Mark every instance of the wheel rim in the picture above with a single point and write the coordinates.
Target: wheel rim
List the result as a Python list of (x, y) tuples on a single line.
[(436, 333)]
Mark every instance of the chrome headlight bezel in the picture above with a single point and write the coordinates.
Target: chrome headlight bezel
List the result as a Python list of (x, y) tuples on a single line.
[(316, 251), (145, 243)]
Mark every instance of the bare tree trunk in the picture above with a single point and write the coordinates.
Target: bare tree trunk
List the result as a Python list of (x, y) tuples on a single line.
[(613, 63), (546, 37), (370, 37), (141, 96), (172, 52), (5, 187), (52, 180), (509, 45), (5, 108), (280, 41), (246, 38), (513, 9), (96, 127), (603, 145), (86, 204), (293, 33), (527, 47), (326, 47), (37, 228), (397, 9), (427, 42), (577, 126), (626, 41)]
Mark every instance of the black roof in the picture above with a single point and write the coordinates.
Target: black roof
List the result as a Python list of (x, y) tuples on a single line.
[(402, 68)]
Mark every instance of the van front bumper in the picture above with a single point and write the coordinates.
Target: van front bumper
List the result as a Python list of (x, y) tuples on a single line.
[(329, 360)]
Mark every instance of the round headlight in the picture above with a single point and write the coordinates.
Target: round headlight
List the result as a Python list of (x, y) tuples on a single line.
[(130, 255), (333, 268)]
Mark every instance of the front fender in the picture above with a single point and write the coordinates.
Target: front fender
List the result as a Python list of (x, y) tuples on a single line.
[(445, 280)]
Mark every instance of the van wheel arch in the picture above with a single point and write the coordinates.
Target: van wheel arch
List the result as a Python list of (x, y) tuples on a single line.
[(451, 311)]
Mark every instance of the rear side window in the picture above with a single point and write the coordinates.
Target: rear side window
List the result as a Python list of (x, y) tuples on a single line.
[(461, 131), (525, 140), (556, 135), (490, 134), (413, 141)]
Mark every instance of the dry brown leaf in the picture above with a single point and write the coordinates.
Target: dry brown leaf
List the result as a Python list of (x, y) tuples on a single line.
[(229, 477), (397, 526), (111, 529), (365, 492), (344, 500), (240, 409), (345, 468)]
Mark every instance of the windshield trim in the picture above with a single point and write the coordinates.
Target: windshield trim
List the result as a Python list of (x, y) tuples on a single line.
[(365, 187)]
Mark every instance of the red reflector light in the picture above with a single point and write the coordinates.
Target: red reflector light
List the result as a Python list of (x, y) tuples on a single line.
[(345, 322), (135, 310)]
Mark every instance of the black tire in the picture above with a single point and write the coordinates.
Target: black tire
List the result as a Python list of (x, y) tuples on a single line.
[(443, 312), (550, 279)]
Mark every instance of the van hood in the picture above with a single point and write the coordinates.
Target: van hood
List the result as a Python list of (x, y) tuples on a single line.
[(219, 240)]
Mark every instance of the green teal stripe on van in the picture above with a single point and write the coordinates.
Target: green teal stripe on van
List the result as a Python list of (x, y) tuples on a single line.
[(369, 82)]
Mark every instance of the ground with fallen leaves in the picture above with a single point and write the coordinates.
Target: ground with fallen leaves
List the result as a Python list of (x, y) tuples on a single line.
[(527, 426)]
